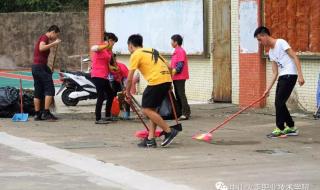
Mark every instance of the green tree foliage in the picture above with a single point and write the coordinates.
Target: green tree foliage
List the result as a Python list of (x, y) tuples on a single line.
[(43, 5)]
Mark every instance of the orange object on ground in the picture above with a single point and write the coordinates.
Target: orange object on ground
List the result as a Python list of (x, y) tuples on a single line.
[(115, 109)]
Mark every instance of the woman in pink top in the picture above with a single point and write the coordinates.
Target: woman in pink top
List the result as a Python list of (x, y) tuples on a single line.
[(180, 72), (99, 72)]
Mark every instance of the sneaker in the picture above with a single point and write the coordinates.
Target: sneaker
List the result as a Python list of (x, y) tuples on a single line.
[(177, 127), (168, 137), (37, 117), (183, 117), (101, 122), (48, 116), (146, 143), (109, 119), (277, 133), (291, 131)]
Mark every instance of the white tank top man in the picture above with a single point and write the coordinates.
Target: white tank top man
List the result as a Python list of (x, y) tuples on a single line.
[(286, 68)]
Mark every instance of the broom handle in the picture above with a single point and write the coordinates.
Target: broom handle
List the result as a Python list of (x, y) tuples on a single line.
[(54, 59), (236, 114), (135, 102), (53, 105), (21, 102), (135, 110), (173, 107)]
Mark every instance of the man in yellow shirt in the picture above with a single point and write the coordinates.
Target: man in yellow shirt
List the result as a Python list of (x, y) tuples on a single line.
[(155, 70)]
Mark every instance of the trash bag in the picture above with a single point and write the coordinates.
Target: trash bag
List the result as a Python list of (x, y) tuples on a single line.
[(8, 96), (9, 111), (10, 101), (28, 104), (316, 115), (165, 110)]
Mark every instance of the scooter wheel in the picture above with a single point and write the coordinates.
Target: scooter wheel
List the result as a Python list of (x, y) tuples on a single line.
[(66, 100)]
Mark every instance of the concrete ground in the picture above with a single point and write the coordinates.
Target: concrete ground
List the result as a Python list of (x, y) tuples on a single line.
[(23, 171), (240, 155)]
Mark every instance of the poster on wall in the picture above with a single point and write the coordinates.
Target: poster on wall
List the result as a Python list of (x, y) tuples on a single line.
[(248, 24), (157, 22)]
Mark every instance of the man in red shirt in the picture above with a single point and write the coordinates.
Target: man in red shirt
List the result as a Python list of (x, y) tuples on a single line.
[(42, 74)]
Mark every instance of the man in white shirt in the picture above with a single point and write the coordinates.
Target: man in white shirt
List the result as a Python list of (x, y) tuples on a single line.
[(286, 68)]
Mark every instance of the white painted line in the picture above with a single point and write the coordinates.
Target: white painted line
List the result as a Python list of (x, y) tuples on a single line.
[(127, 178)]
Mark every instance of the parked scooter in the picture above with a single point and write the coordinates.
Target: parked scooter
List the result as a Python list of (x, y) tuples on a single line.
[(76, 86)]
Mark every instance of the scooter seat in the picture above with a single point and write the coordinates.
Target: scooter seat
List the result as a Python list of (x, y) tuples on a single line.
[(79, 73)]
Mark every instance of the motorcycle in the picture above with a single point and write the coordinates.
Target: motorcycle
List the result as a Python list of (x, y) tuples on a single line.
[(76, 86)]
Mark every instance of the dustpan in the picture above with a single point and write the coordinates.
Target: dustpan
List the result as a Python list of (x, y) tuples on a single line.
[(20, 117)]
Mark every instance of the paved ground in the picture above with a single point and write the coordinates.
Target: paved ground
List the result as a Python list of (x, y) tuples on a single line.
[(240, 155), (23, 171)]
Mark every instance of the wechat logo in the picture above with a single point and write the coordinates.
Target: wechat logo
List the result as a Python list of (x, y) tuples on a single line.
[(221, 186)]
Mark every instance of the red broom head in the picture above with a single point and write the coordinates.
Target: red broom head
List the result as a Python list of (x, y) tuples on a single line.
[(144, 133), (141, 134), (207, 137)]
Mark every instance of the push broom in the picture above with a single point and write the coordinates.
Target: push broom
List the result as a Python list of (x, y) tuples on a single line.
[(178, 125), (158, 133), (144, 133), (53, 105), (207, 137)]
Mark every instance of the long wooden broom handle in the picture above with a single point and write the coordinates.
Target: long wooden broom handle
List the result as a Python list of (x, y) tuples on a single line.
[(54, 58), (21, 101), (173, 107), (236, 114), (133, 107)]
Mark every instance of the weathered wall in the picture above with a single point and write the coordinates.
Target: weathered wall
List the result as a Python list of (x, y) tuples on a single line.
[(298, 21), (20, 31)]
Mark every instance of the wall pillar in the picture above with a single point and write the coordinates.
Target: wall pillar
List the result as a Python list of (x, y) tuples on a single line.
[(252, 66), (96, 21)]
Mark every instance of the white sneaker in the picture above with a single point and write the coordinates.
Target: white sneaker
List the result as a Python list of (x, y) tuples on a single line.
[(183, 117)]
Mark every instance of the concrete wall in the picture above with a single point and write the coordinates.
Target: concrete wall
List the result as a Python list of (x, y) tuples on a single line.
[(20, 31)]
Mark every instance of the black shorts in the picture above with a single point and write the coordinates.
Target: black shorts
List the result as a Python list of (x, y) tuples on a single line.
[(154, 95), (43, 83)]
